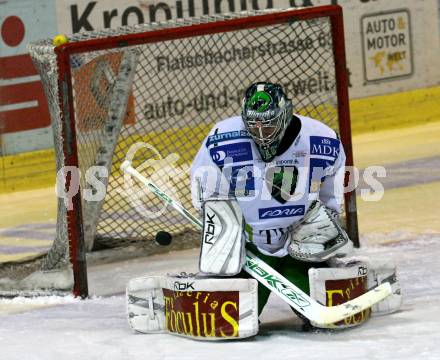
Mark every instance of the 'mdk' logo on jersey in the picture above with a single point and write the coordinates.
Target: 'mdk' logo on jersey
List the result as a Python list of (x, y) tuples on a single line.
[(324, 146), (281, 211)]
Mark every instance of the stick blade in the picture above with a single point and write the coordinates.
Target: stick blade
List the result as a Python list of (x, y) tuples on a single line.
[(337, 313)]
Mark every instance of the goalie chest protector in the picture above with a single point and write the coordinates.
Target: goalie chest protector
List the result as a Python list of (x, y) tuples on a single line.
[(230, 154)]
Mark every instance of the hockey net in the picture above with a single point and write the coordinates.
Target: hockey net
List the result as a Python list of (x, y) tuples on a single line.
[(151, 93)]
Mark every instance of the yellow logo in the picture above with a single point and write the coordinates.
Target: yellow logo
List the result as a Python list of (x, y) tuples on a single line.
[(388, 61)]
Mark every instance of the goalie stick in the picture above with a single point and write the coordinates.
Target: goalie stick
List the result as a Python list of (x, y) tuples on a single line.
[(266, 275)]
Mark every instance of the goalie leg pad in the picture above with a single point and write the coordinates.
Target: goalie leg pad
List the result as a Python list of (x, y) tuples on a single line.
[(222, 248), (333, 286), (194, 307), (383, 271), (379, 271)]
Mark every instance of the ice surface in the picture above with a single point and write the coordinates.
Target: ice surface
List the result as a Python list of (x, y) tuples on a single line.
[(66, 328)]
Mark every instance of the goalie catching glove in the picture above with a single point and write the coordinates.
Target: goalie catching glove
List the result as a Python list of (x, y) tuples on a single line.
[(318, 236)]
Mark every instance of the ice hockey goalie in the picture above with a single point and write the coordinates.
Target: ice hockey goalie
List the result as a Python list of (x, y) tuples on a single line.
[(269, 181), (284, 172)]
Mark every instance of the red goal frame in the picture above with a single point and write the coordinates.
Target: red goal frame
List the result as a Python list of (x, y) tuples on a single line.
[(64, 53)]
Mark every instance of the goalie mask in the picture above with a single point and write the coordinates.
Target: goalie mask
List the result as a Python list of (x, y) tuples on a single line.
[(266, 112)]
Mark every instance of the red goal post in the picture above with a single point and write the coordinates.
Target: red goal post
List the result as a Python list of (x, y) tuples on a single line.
[(95, 125)]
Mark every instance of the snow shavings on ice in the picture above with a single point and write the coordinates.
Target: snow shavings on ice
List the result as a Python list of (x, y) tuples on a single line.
[(43, 300)]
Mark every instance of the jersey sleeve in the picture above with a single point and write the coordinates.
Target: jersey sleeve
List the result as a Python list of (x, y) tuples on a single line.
[(207, 180), (332, 188)]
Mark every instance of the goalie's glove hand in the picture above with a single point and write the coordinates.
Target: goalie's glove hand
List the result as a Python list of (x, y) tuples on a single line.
[(318, 236)]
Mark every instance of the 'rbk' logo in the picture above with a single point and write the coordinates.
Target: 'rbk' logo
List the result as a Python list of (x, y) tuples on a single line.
[(281, 211), (209, 230), (362, 271), (183, 286)]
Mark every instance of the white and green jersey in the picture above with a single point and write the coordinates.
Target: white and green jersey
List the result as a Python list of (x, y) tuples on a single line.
[(273, 196)]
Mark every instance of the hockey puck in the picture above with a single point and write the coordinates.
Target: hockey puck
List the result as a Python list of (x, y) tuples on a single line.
[(163, 238)]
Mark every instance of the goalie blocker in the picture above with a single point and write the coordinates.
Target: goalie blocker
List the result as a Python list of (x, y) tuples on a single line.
[(222, 250)]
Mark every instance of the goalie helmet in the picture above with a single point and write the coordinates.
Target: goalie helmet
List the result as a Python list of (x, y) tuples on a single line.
[(266, 112)]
